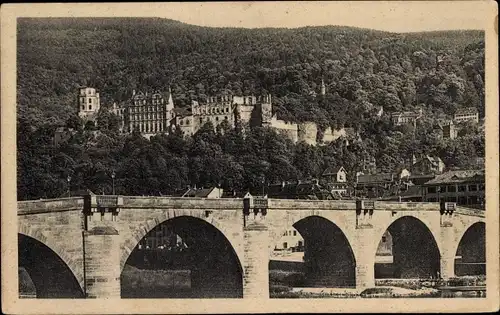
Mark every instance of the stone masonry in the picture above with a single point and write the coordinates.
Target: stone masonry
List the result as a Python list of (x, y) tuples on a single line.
[(94, 235)]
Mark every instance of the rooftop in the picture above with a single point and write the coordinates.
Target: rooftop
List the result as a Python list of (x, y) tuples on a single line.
[(301, 190), (139, 95), (200, 193), (434, 160), (466, 111), (375, 178), (459, 176), (332, 170)]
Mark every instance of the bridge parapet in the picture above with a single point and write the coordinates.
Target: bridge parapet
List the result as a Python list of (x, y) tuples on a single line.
[(74, 203), (406, 206), (182, 203), (470, 212), (49, 205), (291, 204)]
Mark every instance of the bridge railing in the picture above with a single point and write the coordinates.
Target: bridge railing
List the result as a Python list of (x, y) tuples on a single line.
[(49, 205), (73, 203)]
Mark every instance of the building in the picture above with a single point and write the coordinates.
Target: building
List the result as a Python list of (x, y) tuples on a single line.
[(210, 193), (402, 118), (420, 179), (291, 239), (384, 250), (149, 113), (89, 103), (428, 165), (162, 237), (450, 130), (225, 108), (63, 134), (310, 190), (336, 180), (120, 112), (382, 184), (236, 194), (466, 114), (465, 187)]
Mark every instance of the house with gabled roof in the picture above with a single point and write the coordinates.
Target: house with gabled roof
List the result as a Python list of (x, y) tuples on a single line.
[(428, 165), (335, 179), (211, 193), (310, 190)]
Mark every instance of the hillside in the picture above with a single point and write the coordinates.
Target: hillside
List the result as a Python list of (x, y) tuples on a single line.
[(363, 70), (360, 67)]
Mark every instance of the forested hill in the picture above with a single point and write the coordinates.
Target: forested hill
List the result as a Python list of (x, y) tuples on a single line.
[(362, 68)]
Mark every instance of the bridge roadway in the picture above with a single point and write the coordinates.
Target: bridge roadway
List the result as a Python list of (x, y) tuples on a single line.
[(93, 236)]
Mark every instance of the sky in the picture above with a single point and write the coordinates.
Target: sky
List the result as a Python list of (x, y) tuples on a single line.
[(390, 16)]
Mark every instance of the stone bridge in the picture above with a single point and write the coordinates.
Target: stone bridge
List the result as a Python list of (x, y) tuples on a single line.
[(78, 247)]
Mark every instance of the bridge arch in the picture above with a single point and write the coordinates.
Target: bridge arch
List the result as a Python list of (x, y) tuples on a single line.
[(470, 250), (280, 224), (37, 234), (152, 222), (51, 273), (209, 262), (416, 248), (328, 256)]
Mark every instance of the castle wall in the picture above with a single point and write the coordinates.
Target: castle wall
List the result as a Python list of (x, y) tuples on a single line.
[(332, 135), (245, 113), (287, 129), (307, 132)]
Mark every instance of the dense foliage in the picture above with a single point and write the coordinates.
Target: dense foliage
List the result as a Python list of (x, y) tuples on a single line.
[(363, 70)]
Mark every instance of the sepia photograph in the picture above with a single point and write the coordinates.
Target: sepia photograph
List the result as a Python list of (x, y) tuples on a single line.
[(216, 151)]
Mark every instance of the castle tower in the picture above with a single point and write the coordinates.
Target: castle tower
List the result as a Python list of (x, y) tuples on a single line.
[(88, 103), (266, 109), (170, 103), (323, 87)]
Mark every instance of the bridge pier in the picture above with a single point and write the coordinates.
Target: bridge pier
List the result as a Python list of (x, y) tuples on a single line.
[(101, 247), (365, 263), (448, 241), (256, 254), (102, 263)]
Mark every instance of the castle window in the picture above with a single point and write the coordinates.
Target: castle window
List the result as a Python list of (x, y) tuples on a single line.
[(225, 117), (90, 107), (201, 119), (294, 233), (216, 118), (285, 245), (227, 109), (83, 107), (384, 239), (90, 101)]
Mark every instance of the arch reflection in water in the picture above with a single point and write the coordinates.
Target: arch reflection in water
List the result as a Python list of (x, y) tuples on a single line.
[(184, 257)]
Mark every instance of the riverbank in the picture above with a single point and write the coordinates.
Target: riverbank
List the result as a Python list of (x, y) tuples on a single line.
[(283, 284)]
